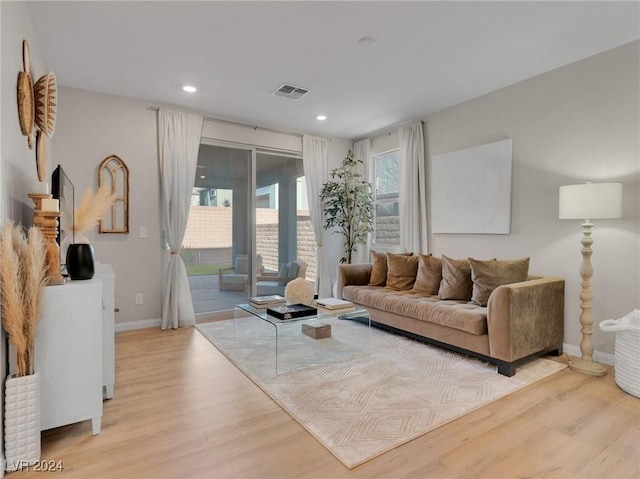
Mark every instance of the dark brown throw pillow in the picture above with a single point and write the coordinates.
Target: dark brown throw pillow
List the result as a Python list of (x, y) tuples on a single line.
[(402, 271), (429, 275), (487, 275), (456, 279)]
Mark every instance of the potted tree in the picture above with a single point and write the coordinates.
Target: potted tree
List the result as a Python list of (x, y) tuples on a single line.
[(348, 205), (23, 275)]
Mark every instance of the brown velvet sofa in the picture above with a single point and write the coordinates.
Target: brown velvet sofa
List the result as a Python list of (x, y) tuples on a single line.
[(520, 320)]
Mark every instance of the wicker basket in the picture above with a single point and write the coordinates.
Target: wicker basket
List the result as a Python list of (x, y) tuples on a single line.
[(627, 352)]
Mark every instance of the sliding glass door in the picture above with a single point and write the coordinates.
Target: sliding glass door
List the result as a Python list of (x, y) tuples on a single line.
[(285, 246), (247, 213), (217, 244)]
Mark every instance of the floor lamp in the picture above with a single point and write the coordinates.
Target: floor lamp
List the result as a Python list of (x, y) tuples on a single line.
[(589, 201)]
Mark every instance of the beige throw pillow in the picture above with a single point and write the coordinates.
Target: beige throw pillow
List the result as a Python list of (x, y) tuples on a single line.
[(456, 279), (429, 275), (402, 271), (378, 269), (489, 274)]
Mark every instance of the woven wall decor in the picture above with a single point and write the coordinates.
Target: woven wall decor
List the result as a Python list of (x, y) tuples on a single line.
[(25, 96), (45, 92), (41, 156)]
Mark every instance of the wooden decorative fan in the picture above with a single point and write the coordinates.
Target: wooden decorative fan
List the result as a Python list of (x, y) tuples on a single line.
[(25, 96), (45, 92), (41, 156)]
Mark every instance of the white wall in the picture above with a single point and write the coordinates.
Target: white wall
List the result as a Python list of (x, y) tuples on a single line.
[(17, 163), (90, 127), (572, 124), (18, 166)]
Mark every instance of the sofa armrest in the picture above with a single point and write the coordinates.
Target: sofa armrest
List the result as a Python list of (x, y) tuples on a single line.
[(526, 318), (352, 274)]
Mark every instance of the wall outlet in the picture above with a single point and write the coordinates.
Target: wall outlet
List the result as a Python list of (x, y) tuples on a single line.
[(144, 232), (139, 298)]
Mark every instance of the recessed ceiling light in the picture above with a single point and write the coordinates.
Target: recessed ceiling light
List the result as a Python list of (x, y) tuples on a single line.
[(321, 117), (189, 89), (202, 177)]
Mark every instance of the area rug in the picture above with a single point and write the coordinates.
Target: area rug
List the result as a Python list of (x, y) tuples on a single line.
[(364, 391)]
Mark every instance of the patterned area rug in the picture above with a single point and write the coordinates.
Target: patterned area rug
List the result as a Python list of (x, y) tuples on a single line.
[(363, 392)]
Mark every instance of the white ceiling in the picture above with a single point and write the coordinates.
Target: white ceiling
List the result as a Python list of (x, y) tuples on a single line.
[(426, 55)]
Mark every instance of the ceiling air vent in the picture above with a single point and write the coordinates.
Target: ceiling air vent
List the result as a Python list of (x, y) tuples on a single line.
[(291, 92)]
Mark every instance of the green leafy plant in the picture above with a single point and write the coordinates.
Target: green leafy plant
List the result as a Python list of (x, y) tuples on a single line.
[(348, 205)]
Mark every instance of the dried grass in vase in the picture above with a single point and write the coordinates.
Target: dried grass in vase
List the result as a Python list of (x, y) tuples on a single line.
[(23, 275), (93, 207)]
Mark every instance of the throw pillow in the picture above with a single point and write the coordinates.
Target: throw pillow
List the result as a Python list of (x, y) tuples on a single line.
[(378, 269), (402, 271), (429, 275), (456, 279), (488, 275)]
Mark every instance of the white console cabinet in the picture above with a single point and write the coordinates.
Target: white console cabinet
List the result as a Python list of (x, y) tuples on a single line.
[(105, 272), (75, 350)]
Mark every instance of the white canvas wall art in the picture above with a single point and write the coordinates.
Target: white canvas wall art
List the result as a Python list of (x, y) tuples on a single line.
[(471, 190)]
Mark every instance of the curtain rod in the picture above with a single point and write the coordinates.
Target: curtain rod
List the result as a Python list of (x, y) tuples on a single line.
[(235, 123), (388, 130)]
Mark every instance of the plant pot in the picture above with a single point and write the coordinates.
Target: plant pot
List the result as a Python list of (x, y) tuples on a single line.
[(22, 421), (80, 261)]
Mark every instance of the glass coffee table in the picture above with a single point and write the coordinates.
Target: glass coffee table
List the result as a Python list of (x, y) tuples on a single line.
[(296, 345)]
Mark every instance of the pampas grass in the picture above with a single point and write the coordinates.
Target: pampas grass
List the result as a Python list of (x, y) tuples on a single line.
[(23, 275), (93, 207)]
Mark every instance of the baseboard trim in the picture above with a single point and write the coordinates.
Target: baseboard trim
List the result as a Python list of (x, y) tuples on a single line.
[(140, 324), (604, 358)]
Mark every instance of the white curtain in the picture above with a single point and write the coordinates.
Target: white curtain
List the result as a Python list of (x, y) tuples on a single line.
[(178, 143), (362, 151), (413, 189), (315, 159)]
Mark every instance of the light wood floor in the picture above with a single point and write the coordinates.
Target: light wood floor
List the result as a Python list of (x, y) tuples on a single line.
[(181, 410)]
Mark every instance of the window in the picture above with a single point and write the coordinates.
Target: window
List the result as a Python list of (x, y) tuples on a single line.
[(386, 181)]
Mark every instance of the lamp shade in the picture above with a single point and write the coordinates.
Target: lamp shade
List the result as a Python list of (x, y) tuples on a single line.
[(591, 201)]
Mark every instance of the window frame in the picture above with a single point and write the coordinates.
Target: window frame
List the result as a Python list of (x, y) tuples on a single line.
[(382, 248)]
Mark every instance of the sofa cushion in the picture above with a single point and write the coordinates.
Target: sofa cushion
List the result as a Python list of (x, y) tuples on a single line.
[(487, 275), (429, 275), (402, 271), (454, 314), (456, 279)]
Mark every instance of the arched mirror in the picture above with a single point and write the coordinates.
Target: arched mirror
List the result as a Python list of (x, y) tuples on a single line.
[(114, 172)]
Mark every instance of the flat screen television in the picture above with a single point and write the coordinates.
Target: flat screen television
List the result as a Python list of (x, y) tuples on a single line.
[(62, 190)]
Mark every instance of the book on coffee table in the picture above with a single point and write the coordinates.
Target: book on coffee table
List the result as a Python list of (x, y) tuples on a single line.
[(333, 303), (292, 311), (262, 302)]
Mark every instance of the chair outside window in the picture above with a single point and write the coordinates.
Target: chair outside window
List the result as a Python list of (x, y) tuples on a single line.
[(275, 283), (236, 277)]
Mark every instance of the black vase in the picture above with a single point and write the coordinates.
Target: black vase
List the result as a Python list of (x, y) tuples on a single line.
[(80, 263)]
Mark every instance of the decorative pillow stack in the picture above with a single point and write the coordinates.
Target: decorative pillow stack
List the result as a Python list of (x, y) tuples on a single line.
[(457, 279)]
